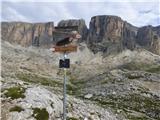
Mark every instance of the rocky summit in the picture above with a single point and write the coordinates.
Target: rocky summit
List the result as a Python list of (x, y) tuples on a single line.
[(111, 34), (114, 75)]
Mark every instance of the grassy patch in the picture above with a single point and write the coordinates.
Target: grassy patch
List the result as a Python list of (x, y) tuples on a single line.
[(71, 89), (15, 92), (141, 66), (154, 69), (108, 80), (72, 118), (38, 79), (74, 87), (40, 114), (143, 90), (130, 76), (134, 66), (16, 109), (132, 117), (104, 81), (149, 106)]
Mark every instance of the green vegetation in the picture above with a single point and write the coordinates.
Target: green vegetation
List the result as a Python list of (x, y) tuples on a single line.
[(132, 117), (109, 79), (130, 76), (72, 118), (143, 90), (134, 102), (154, 69), (16, 109), (40, 114), (72, 87), (15, 92), (105, 81), (141, 66), (75, 86), (134, 66), (38, 79)]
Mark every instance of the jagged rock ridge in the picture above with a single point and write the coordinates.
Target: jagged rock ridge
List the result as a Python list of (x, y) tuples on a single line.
[(111, 34), (107, 34), (149, 38), (27, 34)]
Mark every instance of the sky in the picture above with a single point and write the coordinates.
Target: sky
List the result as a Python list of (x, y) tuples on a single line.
[(138, 13)]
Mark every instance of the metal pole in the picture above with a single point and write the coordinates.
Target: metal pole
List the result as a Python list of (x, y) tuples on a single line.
[(64, 91)]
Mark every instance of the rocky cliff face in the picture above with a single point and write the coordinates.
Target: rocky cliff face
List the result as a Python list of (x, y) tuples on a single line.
[(157, 29), (41, 34), (107, 34), (111, 34), (26, 34), (105, 27), (82, 28), (149, 38), (129, 36)]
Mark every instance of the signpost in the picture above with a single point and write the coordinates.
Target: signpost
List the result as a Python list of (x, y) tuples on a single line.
[(65, 49), (64, 88), (64, 46), (65, 64)]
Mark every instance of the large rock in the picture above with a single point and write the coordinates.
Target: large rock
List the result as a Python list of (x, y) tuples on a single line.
[(27, 34), (110, 34), (149, 38), (82, 28)]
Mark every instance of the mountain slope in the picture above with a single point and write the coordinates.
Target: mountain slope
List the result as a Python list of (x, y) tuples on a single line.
[(103, 86)]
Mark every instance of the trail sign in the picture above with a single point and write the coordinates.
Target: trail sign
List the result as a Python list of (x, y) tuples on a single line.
[(63, 49), (66, 46), (64, 63)]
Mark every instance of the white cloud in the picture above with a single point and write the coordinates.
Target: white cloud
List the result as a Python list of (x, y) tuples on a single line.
[(81, 0), (35, 12), (136, 13), (11, 14)]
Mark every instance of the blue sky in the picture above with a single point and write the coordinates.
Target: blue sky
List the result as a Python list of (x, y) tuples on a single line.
[(138, 13)]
